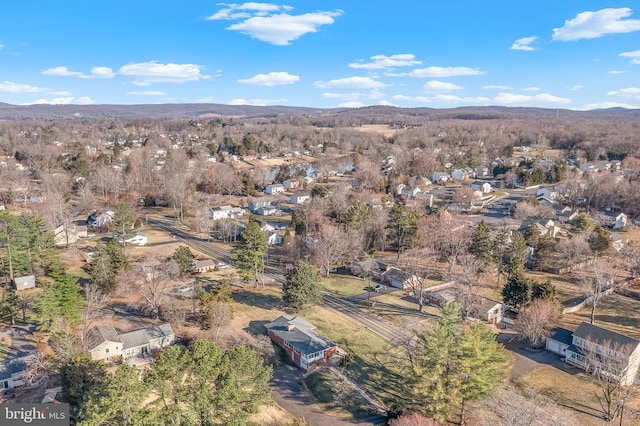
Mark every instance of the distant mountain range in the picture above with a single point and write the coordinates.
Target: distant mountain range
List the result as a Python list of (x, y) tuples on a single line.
[(191, 111)]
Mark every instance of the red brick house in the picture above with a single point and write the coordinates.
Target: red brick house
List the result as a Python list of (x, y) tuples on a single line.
[(303, 345)]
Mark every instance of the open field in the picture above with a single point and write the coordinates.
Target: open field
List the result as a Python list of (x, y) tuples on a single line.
[(383, 129), (344, 285), (571, 388)]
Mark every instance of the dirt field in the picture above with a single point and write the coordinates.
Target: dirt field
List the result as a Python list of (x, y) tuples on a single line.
[(377, 128)]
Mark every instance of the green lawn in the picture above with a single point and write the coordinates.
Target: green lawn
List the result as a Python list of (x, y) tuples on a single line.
[(343, 285)]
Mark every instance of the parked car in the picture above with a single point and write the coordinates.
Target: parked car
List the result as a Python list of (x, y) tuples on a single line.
[(221, 265), (185, 288)]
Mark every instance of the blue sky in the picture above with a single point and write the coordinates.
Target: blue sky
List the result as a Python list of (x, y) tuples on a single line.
[(576, 54)]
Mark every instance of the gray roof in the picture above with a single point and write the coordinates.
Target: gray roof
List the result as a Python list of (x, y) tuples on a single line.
[(561, 335), (143, 336), (15, 365), (203, 263), (300, 334), (397, 274), (599, 335), (100, 334), (484, 305)]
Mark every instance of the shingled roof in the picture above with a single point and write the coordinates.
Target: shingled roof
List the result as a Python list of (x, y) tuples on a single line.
[(599, 335), (300, 334)]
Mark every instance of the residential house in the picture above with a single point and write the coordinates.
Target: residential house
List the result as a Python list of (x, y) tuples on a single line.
[(274, 239), (301, 342), (225, 212), (12, 370), (461, 174), (100, 219), (299, 198), (24, 283), (205, 265), (105, 343), (368, 268), (483, 187), (66, 234), (290, 184), (398, 278), (566, 214), (488, 310), (547, 193), (440, 177), (255, 205), (426, 197), (439, 298), (594, 348), (611, 219), (139, 239), (559, 340), (544, 226), (274, 189), (266, 211), (482, 171)]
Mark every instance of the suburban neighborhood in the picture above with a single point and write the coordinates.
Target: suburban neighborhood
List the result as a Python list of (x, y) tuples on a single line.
[(337, 274)]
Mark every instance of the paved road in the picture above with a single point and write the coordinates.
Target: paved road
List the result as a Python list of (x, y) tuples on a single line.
[(389, 332)]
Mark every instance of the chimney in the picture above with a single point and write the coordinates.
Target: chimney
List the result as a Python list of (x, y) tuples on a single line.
[(290, 326)]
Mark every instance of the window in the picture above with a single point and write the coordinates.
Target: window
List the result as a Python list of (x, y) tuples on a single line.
[(106, 350)]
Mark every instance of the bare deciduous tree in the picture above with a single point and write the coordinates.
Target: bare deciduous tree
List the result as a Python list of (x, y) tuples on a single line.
[(154, 280), (467, 277), (595, 281), (536, 321)]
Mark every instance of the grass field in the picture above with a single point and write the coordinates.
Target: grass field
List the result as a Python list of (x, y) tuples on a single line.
[(335, 397), (571, 388), (343, 285)]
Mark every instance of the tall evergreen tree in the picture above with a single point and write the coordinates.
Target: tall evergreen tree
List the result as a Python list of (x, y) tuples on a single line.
[(301, 288), (455, 363), (248, 254), (9, 304), (184, 258), (481, 244), (517, 290), (403, 227), (545, 291), (515, 257), (60, 299)]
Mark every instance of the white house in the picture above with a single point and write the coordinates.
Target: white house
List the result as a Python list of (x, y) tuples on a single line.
[(459, 174), (484, 187), (274, 189), (24, 283), (547, 193), (299, 198), (482, 171), (595, 348), (69, 233), (12, 370), (105, 343), (274, 239), (291, 184), (614, 220), (137, 240), (225, 212)]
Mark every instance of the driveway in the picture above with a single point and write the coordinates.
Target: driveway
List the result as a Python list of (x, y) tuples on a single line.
[(382, 289), (526, 359), (290, 396), (20, 345)]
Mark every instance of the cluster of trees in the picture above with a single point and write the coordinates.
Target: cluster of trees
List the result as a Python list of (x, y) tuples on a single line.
[(202, 384)]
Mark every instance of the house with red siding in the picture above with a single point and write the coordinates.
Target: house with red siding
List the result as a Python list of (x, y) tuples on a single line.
[(303, 345)]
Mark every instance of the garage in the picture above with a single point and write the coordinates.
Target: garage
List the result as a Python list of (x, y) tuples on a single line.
[(559, 340)]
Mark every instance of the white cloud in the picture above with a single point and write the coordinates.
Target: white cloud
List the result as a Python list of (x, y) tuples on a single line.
[(346, 96), (350, 83), (627, 92), (271, 23), (635, 56), (353, 104), (284, 28), (153, 72), (497, 87), (440, 72), (531, 89), (271, 79), (256, 102), (147, 93), (1, 46), (441, 98), (102, 72), (67, 100), (440, 86), (96, 72), (244, 10), (606, 105), (587, 25), (64, 72), (378, 62), (616, 72), (387, 103), (11, 87), (576, 87), (505, 98), (523, 43)]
